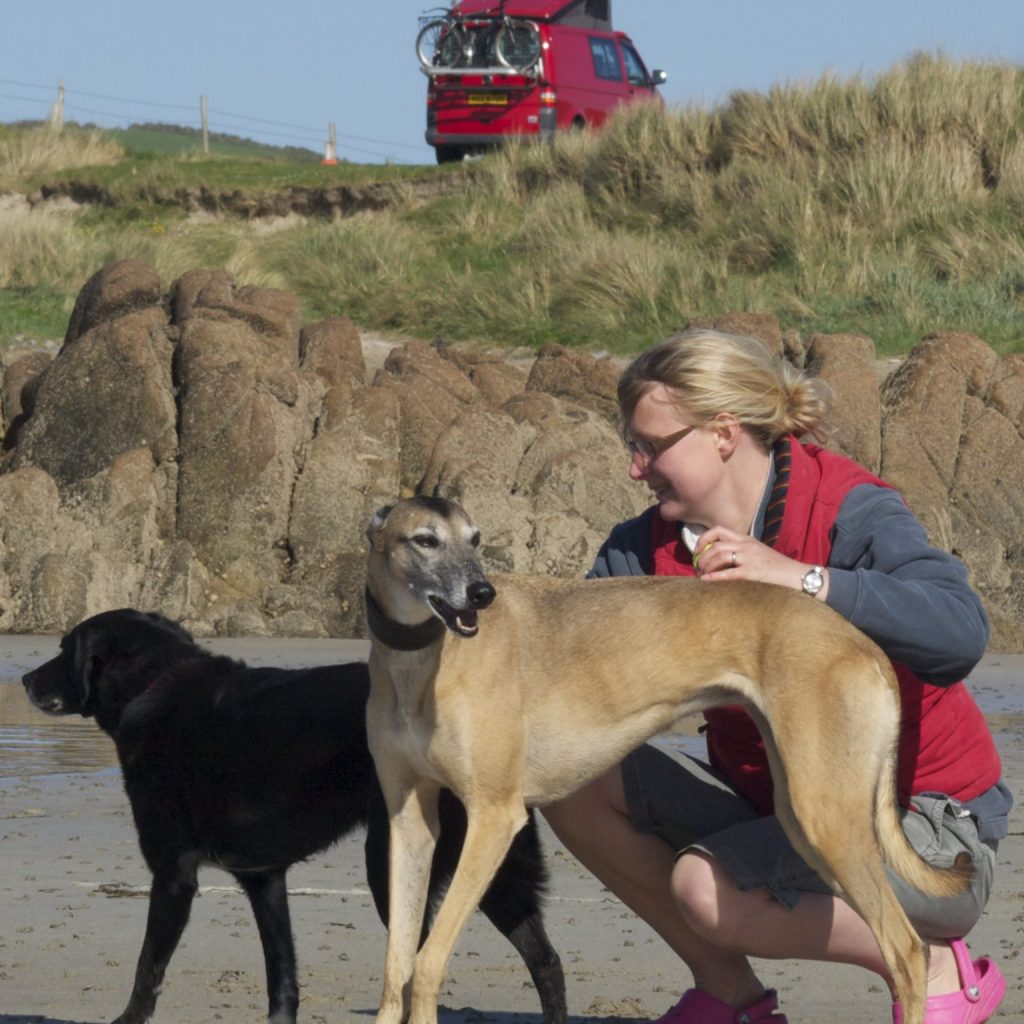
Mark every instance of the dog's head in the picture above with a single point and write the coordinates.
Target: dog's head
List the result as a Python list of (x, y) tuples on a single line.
[(424, 560), (104, 663)]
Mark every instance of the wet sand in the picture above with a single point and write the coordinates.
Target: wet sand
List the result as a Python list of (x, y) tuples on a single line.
[(73, 891)]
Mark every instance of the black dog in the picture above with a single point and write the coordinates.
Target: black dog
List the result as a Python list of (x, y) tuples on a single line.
[(251, 770)]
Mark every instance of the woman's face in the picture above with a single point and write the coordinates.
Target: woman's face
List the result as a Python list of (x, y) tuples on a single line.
[(682, 475)]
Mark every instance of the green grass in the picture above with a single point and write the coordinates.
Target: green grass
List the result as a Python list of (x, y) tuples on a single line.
[(174, 140), (147, 172), (156, 161), (891, 208), (34, 314)]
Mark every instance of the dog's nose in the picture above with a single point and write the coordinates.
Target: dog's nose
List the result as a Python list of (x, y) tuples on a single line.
[(480, 594)]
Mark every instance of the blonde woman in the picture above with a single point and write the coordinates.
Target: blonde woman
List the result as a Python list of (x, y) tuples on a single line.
[(717, 429)]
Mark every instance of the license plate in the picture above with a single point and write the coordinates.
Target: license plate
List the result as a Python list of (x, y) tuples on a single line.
[(487, 99)]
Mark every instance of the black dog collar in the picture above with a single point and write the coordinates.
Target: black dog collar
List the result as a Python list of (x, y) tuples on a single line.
[(397, 635)]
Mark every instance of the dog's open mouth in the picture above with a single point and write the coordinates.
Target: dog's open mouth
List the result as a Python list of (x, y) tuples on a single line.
[(460, 621)]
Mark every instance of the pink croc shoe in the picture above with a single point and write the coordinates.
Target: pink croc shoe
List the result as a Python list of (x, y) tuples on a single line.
[(697, 1007), (983, 989)]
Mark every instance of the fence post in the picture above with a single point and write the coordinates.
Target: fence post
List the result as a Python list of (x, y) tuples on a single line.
[(57, 110), (206, 127)]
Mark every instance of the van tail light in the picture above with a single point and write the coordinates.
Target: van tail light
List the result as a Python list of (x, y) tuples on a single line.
[(548, 97)]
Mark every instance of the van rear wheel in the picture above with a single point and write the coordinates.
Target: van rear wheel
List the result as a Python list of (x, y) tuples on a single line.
[(449, 154)]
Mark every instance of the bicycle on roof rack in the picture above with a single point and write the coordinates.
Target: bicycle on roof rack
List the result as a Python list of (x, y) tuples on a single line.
[(488, 41)]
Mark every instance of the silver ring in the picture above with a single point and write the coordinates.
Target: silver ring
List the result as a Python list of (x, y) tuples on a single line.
[(734, 561)]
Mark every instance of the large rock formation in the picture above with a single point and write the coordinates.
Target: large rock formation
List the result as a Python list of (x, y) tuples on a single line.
[(200, 452)]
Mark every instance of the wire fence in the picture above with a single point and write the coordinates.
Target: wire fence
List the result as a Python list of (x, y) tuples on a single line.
[(124, 111)]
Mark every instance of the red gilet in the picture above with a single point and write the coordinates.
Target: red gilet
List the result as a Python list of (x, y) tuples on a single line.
[(945, 745)]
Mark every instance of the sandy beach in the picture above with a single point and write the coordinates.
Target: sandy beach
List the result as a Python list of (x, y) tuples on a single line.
[(73, 896)]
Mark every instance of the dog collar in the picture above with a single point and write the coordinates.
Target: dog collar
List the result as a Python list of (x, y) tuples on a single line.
[(397, 635)]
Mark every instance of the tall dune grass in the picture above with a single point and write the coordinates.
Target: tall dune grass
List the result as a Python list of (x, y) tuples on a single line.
[(44, 249), (890, 207), (43, 150)]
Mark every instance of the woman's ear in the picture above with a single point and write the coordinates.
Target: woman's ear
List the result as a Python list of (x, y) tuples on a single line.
[(727, 430)]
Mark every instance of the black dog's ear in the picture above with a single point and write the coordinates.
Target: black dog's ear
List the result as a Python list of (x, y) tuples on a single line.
[(88, 660), (377, 521)]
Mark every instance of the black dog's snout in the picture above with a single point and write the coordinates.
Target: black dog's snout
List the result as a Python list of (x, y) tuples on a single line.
[(480, 594), (34, 682)]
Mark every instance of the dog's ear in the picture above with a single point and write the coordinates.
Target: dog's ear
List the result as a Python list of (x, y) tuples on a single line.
[(88, 662), (377, 521)]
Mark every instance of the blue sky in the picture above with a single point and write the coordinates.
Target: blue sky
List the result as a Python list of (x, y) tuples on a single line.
[(282, 72)]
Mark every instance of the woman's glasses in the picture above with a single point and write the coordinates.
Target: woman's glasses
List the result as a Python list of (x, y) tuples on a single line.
[(649, 448)]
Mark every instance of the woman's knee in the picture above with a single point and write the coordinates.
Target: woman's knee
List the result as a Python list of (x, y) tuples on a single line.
[(708, 899), (695, 890)]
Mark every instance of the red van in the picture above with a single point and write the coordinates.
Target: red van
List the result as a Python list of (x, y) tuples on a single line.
[(512, 68)]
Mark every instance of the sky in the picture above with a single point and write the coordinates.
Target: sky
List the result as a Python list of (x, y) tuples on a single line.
[(282, 72)]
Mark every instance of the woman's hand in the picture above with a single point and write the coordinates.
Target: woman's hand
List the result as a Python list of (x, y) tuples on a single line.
[(723, 554)]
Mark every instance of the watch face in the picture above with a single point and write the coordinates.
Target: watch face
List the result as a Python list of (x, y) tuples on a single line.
[(812, 582)]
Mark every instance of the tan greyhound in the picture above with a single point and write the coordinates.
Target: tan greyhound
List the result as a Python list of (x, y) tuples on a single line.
[(516, 692)]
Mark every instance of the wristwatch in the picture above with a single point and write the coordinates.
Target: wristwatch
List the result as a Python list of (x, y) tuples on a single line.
[(813, 580)]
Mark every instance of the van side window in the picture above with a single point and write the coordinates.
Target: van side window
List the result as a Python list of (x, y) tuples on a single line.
[(606, 59), (636, 73)]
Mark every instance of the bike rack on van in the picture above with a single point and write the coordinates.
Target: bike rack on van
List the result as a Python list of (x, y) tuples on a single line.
[(442, 44), (490, 72)]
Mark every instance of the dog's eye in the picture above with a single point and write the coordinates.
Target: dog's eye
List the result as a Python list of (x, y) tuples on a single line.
[(425, 540), (475, 539)]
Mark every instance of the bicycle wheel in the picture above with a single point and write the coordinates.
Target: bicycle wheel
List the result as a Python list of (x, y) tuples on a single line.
[(517, 46), (439, 44)]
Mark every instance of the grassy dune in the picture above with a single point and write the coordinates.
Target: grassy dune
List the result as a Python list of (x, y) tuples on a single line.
[(891, 207)]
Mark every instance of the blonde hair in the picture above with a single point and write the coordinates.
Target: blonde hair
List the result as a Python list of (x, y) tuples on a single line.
[(710, 372)]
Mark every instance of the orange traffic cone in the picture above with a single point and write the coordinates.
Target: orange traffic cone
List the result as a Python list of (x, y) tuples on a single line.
[(330, 150)]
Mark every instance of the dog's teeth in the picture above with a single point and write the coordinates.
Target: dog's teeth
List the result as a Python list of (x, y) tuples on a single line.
[(466, 623)]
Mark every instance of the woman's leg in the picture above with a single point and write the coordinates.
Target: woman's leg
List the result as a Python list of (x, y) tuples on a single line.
[(594, 824), (744, 891), (755, 923)]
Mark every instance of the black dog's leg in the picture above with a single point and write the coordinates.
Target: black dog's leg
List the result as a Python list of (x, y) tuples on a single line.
[(531, 941), (170, 903), (511, 903), (375, 850), (268, 895)]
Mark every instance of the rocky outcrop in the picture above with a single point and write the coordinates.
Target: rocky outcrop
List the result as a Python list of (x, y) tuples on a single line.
[(109, 391), (200, 451), (847, 362), (953, 442)]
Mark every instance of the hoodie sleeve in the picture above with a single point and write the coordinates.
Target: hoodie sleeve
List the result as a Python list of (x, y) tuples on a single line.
[(627, 551), (912, 599)]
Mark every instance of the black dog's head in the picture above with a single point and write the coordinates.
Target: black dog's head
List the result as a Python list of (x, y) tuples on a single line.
[(83, 679)]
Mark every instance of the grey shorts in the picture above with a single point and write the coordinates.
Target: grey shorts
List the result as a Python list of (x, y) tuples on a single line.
[(691, 806)]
